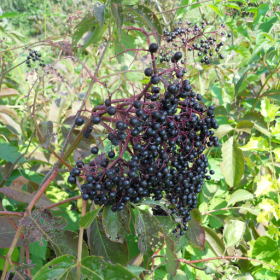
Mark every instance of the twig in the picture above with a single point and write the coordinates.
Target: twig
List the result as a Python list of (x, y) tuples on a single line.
[(62, 202), (227, 258)]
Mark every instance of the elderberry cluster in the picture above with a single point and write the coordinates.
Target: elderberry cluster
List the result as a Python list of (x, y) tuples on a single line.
[(189, 37), (165, 133), (34, 56)]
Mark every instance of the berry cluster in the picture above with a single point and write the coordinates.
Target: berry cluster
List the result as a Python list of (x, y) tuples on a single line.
[(194, 37), (34, 56), (165, 131)]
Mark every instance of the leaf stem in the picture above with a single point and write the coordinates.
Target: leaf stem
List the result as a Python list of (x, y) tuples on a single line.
[(80, 244)]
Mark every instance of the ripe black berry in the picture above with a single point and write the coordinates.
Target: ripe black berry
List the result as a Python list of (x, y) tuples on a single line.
[(153, 47), (72, 180), (96, 119), (94, 150), (177, 56), (111, 110), (111, 154), (155, 80), (79, 121), (148, 72)]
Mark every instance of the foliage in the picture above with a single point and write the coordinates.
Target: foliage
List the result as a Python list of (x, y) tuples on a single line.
[(234, 232)]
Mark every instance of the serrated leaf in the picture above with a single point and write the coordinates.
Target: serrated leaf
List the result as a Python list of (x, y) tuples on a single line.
[(265, 249), (101, 245), (233, 232), (147, 17), (244, 276), (145, 225), (117, 12), (196, 234), (214, 242), (233, 164), (116, 224), (56, 268), (172, 260), (240, 195), (88, 218)]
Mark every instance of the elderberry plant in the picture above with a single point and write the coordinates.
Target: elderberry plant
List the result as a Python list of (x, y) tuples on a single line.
[(165, 129)]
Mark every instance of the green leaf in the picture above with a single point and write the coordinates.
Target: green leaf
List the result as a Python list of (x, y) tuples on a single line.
[(264, 186), (269, 110), (195, 214), (101, 245), (98, 10), (245, 126), (95, 268), (223, 130), (137, 270), (117, 12), (265, 249), (9, 152), (233, 232), (116, 224), (66, 242), (56, 269), (276, 152), (258, 121), (264, 274), (265, 27), (216, 10), (261, 12), (238, 84), (196, 234), (269, 209), (86, 24), (233, 162), (232, 5), (88, 218), (172, 260), (255, 144), (147, 17), (214, 242), (209, 191), (240, 195), (145, 225)]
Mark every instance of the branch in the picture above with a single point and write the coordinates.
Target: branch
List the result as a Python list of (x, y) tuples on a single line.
[(63, 202), (80, 244)]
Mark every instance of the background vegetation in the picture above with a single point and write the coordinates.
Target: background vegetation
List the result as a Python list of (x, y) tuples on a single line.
[(238, 210)]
